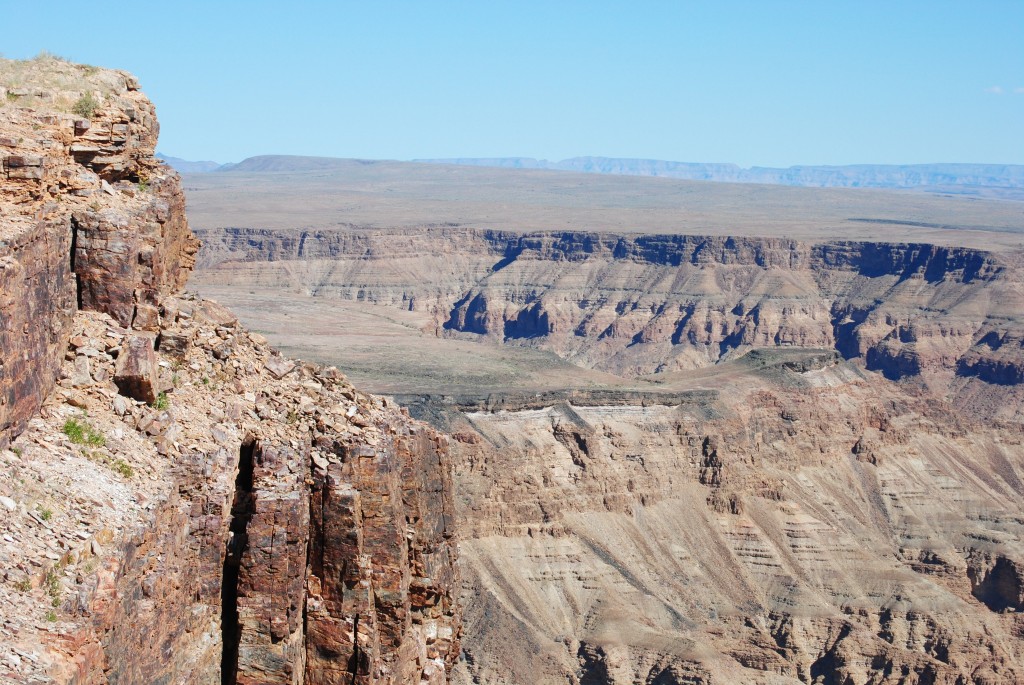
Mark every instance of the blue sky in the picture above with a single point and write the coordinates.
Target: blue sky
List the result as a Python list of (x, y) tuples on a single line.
[(755, 83)]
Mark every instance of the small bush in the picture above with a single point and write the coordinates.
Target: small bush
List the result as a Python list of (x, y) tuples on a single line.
[(81, 433), (52, 583), (162, 402), (46, 514), (75, 431), (86, 106), (123, 467), (23, 585), (51, 616)]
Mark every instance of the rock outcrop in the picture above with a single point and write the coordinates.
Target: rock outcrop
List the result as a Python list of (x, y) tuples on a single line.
[(798, 526), (89, 216), (181, 503)]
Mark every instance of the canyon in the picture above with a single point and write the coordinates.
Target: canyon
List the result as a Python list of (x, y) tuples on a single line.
[(554, 428), (716, 457)]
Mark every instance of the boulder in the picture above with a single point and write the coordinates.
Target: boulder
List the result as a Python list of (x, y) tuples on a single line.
[(279, 367), (137, 371)]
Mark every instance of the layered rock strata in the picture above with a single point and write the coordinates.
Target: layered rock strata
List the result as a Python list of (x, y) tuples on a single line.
[(181, 503), (637, 305), (819, 482), (801, 526)]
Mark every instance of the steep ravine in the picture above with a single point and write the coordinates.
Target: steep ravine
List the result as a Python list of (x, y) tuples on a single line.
[(181, 504)]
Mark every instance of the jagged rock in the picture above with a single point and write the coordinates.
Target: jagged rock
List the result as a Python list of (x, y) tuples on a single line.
[(176, 343), (147, 318), (125, 251), (82, 375), (137, 373), (279, 367), (217, 314), (176, 536)]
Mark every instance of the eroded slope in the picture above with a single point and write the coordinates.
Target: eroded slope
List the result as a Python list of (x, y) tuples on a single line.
[(801, 525)]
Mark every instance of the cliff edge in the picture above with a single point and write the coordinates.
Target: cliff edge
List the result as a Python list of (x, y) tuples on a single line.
[(182, 504)]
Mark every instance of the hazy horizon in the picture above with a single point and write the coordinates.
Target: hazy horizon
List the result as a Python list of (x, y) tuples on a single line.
[(450, 159)]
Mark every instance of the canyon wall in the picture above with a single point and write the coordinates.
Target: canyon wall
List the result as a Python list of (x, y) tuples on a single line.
[(807, 470), (639, 305), (802, 524), (182, 504)]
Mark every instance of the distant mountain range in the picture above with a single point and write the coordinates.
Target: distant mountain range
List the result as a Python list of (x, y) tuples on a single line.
[(1004, 181), (938, 177)]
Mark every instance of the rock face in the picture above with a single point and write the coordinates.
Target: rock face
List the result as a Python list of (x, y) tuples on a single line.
[(200, 510), (89, 215), (37, 301), (637, 305), (797, 525)]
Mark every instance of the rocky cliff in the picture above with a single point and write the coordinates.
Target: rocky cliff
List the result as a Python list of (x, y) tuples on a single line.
[(801, 525), (181, 503)]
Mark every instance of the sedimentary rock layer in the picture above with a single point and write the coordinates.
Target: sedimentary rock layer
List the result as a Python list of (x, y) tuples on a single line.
[(638, 305), (801, 526), (820, 481)]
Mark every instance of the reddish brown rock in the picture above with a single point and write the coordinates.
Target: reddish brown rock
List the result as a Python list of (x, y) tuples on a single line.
[(136, 373), (382, 604), (279, 366), (271, 581), (61, 219), (183, 554), (37, 300)]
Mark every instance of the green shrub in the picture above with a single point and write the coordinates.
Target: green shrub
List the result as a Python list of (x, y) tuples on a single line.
[(123, 467), (52, 583), (86, 106), (81, 433)]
